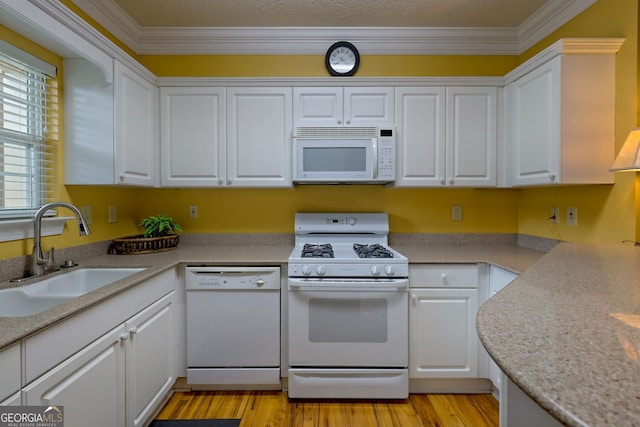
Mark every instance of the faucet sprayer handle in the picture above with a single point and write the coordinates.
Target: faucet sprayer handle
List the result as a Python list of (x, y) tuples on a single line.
[(50, 259)]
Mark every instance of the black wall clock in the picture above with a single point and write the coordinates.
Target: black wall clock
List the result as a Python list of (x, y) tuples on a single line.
[(342, 59)]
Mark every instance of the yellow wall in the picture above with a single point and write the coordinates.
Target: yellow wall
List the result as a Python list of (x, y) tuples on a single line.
[(606, 213)]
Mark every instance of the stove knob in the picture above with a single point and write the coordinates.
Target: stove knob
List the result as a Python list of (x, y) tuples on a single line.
[(389, 270), (320, 270), (306, 270), (375, 270)]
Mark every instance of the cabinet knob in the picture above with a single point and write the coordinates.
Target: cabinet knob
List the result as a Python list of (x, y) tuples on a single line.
[(451, 181), (133, 330), (348, 121), (442, 181), (339, 121), (122, 178), (552, 177), (124, 337), (414, 297)]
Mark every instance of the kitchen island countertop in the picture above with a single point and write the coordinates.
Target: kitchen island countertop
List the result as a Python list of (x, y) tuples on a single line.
[(567, 332)]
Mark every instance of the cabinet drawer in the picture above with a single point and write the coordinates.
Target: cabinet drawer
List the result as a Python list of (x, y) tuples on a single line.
[(443, 276)]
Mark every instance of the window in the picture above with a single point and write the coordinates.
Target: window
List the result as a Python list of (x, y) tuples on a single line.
[(28, 136)]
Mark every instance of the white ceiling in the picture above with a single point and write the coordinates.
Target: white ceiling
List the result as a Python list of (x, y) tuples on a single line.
[(328, 13), (489, 27)]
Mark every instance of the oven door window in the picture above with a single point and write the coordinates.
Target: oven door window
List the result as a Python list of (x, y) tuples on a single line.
[(348, 321)]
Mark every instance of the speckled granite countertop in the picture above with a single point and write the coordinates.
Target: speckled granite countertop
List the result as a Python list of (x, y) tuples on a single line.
[(13, 329), (567, 332), (511, 257)]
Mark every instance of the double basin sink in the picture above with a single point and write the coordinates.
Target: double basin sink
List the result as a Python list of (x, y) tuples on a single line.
[(27, 300)]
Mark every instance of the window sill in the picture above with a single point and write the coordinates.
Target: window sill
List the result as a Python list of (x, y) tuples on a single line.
[(19, 229)]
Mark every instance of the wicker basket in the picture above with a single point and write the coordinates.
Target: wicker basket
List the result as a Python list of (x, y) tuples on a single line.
[(142, 245)]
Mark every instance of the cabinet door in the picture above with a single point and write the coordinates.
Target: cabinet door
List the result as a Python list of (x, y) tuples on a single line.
[(443, 342), (90, 385), (533, 119), (369, 106), (148, 360), (193, 136), (318, 106), (259, 137), (471, 136), (9, 371), (420, 136), (135, 128)]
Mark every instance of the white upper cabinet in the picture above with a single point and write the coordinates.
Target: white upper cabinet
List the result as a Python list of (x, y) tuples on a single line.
[(338, 106), (446, 136), (471, 135), (560, 115), (135, 128), (420, 136), (259, 136), (110, 129), (193, 136)]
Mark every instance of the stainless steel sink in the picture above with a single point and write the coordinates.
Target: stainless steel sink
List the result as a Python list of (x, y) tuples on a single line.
[(34, 298)]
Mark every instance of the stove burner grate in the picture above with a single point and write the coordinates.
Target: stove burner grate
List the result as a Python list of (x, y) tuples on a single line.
[(317, 251), (375, 250)]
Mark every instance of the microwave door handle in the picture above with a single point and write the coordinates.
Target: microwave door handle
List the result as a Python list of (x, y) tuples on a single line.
[(374, 166)]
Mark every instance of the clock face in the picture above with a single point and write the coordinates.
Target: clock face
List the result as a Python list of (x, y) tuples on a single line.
[(342, 59)]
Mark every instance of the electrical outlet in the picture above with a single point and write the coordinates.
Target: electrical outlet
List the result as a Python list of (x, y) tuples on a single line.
[(456, 213), (193, 212), (555, 215), (572, 217), (113, 214), (87, 213)]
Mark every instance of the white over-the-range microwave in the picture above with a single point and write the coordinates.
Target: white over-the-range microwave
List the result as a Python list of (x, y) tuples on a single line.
[(344, 155)]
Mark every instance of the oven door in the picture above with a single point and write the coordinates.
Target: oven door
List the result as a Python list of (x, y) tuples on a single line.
[(348, 323)]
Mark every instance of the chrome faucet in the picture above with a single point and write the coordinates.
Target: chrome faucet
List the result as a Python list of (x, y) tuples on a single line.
[(38, 263)]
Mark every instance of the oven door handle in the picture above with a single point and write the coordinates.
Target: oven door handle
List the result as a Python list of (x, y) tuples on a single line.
[(346, 286)]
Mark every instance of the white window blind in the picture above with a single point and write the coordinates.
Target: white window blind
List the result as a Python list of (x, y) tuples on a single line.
[(28, 137)]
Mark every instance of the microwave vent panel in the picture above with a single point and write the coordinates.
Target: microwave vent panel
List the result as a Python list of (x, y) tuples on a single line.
[(335, 132)]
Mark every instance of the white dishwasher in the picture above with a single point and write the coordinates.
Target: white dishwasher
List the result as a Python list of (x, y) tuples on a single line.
[(233, 327)]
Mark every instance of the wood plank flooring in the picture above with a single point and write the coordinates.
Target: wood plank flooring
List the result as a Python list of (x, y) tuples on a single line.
[(275, 409)]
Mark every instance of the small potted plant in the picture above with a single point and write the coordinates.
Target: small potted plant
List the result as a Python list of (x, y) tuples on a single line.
[(158, 226), (160, 234)]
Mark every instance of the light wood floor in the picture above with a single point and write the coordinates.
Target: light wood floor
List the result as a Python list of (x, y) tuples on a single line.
[(274, 409)]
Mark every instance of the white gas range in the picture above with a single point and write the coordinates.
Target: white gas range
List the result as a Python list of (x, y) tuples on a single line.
[(348, 309)]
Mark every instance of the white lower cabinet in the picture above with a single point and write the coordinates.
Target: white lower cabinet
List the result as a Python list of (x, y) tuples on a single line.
[(111, 365), (10, 374), (90, 385), (148, 361), (117, 380), (443, 342)]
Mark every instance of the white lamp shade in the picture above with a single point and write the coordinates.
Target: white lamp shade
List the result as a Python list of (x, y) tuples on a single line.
[(629, 157)]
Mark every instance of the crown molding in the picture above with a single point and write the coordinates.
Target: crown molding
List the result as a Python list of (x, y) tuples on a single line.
[(489, 81), (577, 46), (314, 40), (547, 19), (296, 40)]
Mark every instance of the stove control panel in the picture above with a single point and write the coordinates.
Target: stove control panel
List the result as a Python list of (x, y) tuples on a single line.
[(348, 270)]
